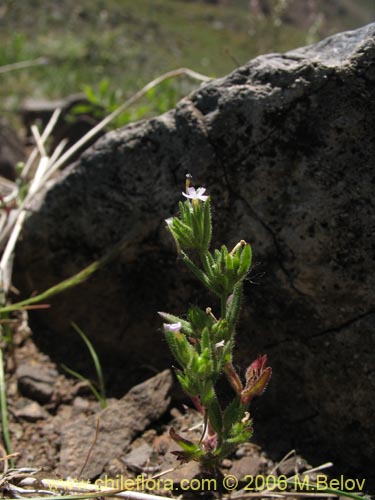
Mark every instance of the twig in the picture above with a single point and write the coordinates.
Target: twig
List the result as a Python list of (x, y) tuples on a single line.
[(6, 68), (46, 133), (327, 465), (57, 151), (289, 454), (124, 245), (4, 458), (7, 258), (91, 448), (12, 189), (38, 140)]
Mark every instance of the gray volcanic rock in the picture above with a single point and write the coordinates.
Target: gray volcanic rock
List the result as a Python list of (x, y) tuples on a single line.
[(285, 146)]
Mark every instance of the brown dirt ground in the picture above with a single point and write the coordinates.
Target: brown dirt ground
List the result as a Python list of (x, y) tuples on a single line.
[(35, 427)]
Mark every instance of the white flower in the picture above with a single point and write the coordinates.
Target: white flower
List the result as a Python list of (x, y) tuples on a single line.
[(193, 194), (219, 344), (173, 327)]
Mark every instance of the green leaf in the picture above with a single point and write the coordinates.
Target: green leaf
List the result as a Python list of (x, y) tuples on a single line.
[(197, 226), (240, 433), (104, 86), (187, 384), (198, 320), (229, 263), (190, 451), (90, 94), (245, 261), (180, 347), (185, 212), (206, 340), (183, 233), (207, 226), (198, 273), (96, 362), (205, 365), (234, 305), (208, 264), (215, 415), (232, 413)]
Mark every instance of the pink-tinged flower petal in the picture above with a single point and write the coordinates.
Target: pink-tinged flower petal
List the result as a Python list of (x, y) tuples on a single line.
[(257, 387), (194, 194), (256, 366), (173, 327), (257, 378)]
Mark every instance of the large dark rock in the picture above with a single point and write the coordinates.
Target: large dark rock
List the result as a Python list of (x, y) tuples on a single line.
[(285, 146)]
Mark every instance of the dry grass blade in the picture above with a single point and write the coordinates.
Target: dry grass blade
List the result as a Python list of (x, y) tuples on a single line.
[(15, 223), (100, 126), (91, 448), (127, 246), (6, 68), (84, 490), (46, 133)]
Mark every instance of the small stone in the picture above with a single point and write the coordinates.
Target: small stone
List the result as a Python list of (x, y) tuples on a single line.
[(184, 472), (248, 465), (241, 452), (138, 457), (115, 468), (36, 382), (226, 463), (162, 443), (80, 405), (32, 412), (175, 413)]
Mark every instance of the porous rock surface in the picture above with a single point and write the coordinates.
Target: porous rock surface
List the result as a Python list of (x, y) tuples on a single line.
[(285, 147)]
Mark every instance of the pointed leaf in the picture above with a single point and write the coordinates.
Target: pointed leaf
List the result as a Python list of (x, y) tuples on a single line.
[(234, 305), (207, 226), (245, 261), (180, 347), (198, 273), (232, 413)]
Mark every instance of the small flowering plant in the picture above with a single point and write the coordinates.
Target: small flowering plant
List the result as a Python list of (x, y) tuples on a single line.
[(203, 343)]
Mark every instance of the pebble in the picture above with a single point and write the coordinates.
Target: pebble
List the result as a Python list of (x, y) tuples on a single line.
[(32, 412), (36, 382)]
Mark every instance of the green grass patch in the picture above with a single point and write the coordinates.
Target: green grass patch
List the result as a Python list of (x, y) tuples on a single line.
[(130, 43)]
